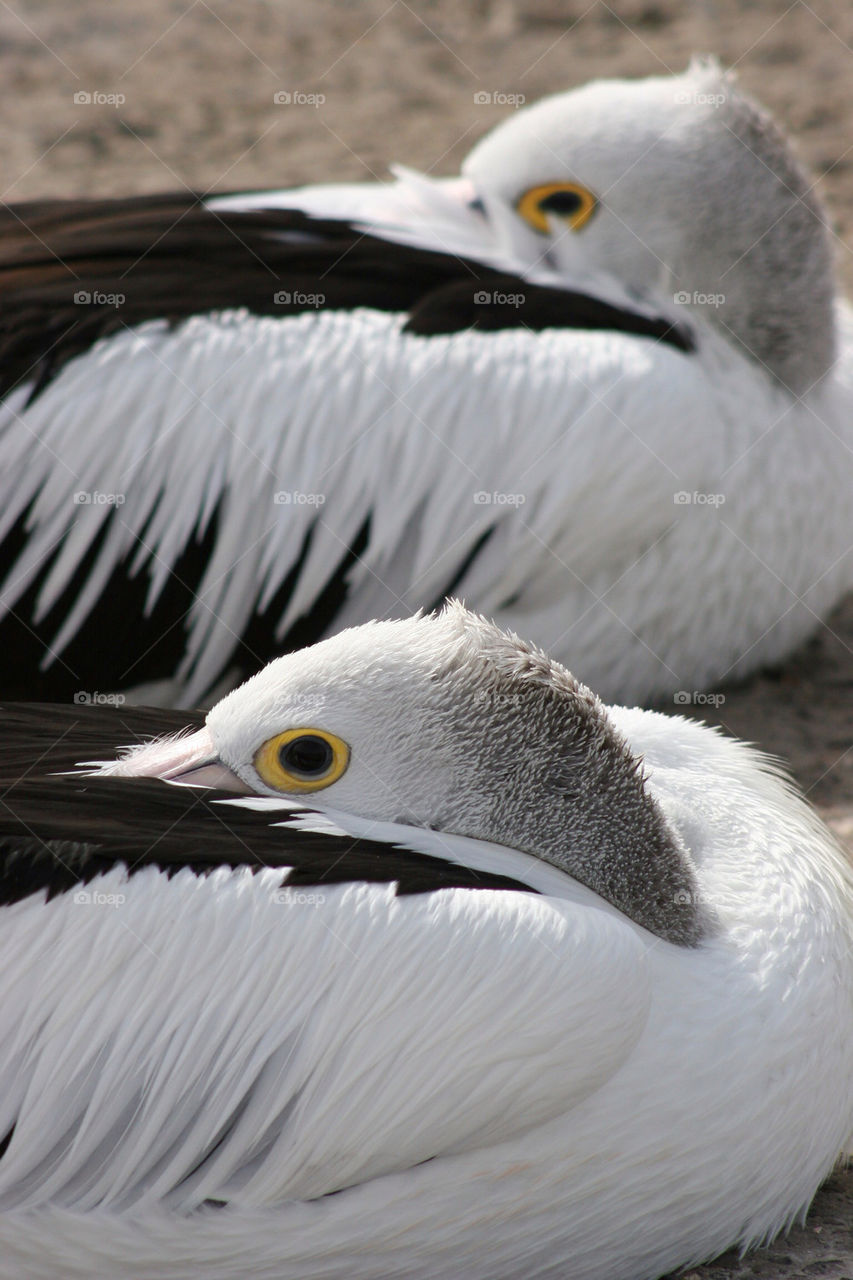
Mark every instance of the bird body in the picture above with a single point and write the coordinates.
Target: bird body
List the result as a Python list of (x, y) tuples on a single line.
[(222, 1069), (613, 429)]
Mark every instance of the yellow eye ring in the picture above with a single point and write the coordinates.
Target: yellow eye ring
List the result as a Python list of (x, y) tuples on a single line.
[(301, 760), (567, 200)]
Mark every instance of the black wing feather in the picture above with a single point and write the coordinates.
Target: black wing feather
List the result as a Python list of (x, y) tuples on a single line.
[(171, 257), (59, 832)]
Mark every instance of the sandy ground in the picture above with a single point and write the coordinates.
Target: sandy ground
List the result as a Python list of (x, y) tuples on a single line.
[(101, 97)]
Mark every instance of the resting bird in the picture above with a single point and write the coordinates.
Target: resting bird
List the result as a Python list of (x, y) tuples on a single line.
[(599, 386), (552, 988)]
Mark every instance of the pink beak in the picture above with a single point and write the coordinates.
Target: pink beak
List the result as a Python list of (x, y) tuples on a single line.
[(188, 762)]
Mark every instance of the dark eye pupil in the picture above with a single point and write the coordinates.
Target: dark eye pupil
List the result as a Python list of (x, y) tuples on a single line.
[(563, 203), (308, 755)]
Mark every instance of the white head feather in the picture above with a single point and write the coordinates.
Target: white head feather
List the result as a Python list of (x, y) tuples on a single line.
[(452, 724), (699, 198)]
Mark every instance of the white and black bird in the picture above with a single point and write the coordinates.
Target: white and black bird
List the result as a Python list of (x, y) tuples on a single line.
[(599, 385), (552, 988)]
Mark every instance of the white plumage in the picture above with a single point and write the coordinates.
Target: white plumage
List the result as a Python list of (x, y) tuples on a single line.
[(660, 519), (496, 1083)]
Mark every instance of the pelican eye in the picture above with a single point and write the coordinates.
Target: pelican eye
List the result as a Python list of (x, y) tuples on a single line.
[(567, 200), (301, 760), (564, 203), (309, 756)]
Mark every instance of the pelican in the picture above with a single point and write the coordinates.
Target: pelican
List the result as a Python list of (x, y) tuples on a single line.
[(599, 385), (413, 958)]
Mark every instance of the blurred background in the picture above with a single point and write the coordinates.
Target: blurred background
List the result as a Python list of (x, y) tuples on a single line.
[(183, 91)]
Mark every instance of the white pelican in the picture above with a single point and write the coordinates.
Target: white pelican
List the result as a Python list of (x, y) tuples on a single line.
[(599, 385), (553, 988)]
